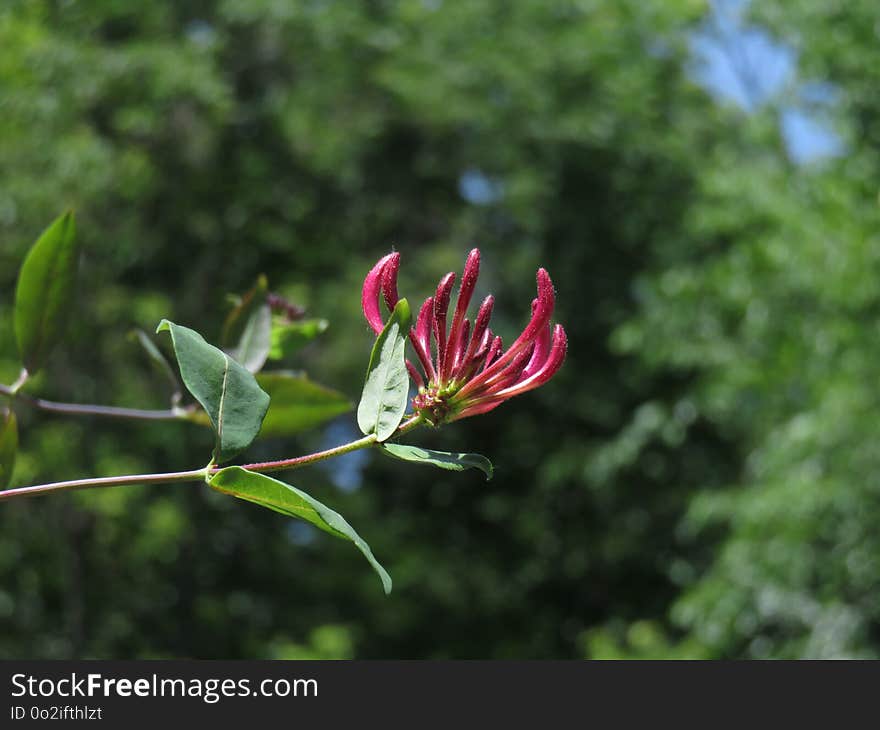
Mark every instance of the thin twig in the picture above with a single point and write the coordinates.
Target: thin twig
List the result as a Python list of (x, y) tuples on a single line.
[(83, 409)]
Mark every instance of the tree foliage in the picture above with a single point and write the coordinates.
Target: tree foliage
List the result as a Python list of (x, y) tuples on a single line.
[(700, 479)]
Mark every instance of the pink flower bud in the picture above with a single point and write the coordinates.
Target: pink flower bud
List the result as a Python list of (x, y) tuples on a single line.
[(458, 352), (370, 293), (494, 351), (389, 281), (465, 292), (546, 371), (540, 353), (420, 337), (441, 308)]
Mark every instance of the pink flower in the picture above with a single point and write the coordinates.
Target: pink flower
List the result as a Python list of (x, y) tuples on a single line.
[(466, 370)]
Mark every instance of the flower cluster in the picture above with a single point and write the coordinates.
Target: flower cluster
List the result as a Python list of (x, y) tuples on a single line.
[(466, 369)]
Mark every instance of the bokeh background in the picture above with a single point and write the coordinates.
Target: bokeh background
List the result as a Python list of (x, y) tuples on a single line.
[(701, 181)]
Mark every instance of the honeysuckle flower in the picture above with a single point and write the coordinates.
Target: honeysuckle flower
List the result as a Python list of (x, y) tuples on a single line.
[(465, 369)]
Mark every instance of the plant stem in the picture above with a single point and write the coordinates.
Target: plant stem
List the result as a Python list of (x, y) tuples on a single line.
[(130, 479), (197, 474), (298, 461), (77, 409), (22, 379), (329, 453)]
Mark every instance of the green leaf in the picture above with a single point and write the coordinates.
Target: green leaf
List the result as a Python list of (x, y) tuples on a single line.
[(268, 492), (236, 320), (46, 286), (290, 337), (440, 459), (8, 446), (250, 323), (253, 347), (298, 404), (386, 390), (157, 358), (234, 402)]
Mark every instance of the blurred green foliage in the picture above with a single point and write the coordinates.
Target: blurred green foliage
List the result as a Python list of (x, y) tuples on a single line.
[(699, 478)]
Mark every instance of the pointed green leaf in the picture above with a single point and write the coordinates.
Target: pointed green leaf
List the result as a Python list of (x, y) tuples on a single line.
[(252, 350), (298, 404), (249, 324), (268, 492), (290, 337), (46, 286), (386, 391), (8, 446), (440, 459), (157, 358), (229, 394), (237, 318)]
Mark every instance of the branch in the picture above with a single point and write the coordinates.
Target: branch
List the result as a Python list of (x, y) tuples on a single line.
[(205, 472), (77, 409)]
